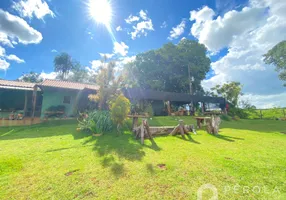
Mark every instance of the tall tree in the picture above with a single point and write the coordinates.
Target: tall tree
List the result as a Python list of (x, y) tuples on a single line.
[(169, 68), (277, 57), (31, 77), (230, 91), (63, 64), (108, 85)]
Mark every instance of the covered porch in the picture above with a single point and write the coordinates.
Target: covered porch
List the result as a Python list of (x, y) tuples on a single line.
[(19, 103)]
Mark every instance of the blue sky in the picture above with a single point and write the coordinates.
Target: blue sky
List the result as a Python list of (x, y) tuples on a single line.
[(224, 26)]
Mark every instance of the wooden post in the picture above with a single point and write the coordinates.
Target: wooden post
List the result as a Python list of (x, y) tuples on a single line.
[(34, 100), (142, 133), (25, 104), (169, 108)]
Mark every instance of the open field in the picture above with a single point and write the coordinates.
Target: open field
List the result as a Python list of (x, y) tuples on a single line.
[(54, 161)]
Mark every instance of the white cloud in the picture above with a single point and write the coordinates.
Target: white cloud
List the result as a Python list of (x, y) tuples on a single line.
[(2, 51), (4, 65), (248, 34), (164, 25), (5, 40), (13, 27), (143, 26), (95, 64), (15, 58), (224, 29), (54, 51), (178, 30), (120, 48), (107, 55), (202, 15), (31, 8), (132, 19), (266, 101), (143, 14), (118, 28), (51, 75)]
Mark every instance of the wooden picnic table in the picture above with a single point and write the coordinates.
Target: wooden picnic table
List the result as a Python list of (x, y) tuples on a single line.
[(201, 121), (135, 120)]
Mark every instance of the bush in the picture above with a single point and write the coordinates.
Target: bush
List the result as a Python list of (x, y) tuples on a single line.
[(149, 110), (96, 122), (225, 117), (236, 118), (119, 108), (238, 112)]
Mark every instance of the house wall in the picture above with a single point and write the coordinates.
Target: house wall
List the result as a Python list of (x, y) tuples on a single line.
[(55, 97)]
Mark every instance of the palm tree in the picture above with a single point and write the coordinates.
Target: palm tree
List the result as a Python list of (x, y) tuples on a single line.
[(63, 64)]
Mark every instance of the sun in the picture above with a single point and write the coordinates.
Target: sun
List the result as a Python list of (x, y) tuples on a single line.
[(100, 11)]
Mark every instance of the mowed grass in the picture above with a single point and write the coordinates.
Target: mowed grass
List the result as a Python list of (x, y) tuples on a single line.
[(54, 161)]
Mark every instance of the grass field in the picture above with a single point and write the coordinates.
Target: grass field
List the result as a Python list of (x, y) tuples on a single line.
[(53, 161)]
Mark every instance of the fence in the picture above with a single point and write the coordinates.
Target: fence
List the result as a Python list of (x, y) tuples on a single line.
[(273, 113)]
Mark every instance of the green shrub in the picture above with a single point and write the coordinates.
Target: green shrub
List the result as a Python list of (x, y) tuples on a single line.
[(236, 118), (149, 110), (225, 117), (96, 122), (238, 112), (119, 108)]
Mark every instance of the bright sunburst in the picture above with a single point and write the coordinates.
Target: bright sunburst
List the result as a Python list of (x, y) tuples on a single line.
[(100, 11)]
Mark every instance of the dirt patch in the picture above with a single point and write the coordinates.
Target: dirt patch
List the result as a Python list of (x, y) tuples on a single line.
[(162, 166), (71, 172)]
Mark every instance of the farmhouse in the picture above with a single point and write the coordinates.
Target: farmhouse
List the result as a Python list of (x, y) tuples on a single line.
[(55, 98)]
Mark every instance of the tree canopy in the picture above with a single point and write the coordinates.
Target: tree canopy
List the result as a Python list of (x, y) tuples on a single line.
[(230, 91), (277, 57), (63, 64), (108, 85), (169, 68), (31, 77)]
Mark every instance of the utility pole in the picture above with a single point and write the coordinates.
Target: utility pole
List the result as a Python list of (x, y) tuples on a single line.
[(190, 80)]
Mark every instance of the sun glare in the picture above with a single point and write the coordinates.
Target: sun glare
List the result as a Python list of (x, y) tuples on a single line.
[(100, 11)]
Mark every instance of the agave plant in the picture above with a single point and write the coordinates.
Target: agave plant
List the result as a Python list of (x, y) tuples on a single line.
[(96, 122)]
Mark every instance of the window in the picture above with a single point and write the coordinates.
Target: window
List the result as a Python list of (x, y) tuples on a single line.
[(67, 99)]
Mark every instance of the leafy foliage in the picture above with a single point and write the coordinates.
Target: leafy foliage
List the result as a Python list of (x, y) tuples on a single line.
[(119, 108), (96, 122), (63, 64), (230, 91), (277, 57), (149, 110), (31, 77), (169, 68), (108, 86), (225, 117)]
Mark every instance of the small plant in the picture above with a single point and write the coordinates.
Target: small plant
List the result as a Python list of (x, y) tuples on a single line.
[(149, 110), (236, 118), (225, 117), (96, 122), (120, 108)]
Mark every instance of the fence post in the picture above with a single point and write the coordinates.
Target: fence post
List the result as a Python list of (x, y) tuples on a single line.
[(260, 114)]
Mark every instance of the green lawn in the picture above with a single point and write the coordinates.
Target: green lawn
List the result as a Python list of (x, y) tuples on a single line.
[(53, 161)]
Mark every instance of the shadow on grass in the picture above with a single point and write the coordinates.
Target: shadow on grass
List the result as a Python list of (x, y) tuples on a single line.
[(115, 149), (150, 168), (45, 129), (187, 137), (153, 145), (226, 138)]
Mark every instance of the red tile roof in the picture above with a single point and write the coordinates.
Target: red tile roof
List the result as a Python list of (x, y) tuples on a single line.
[(16, 85), (67, 85)]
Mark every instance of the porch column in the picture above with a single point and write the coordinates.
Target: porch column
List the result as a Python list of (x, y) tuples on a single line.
[(34, 100), (25, 105)]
